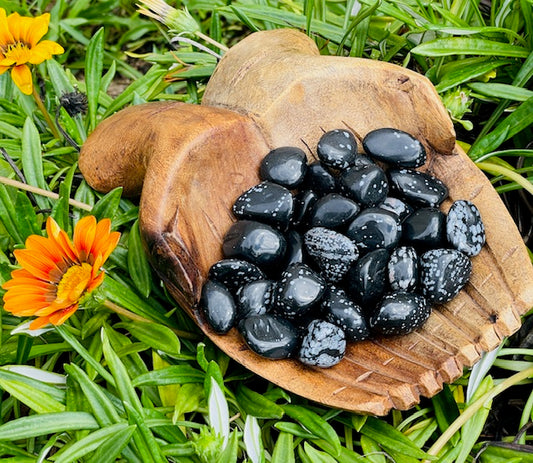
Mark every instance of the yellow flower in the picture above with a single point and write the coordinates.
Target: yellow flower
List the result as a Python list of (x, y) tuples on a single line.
[(19, 45), (57, 273)]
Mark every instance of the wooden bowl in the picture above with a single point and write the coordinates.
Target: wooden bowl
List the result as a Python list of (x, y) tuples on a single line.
[(274, 89)]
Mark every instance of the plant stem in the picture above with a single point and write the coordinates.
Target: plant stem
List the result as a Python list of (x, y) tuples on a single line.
[(474, 407), (46, 115), (500, 170), (208, 39), (138, 318), (40, 191)]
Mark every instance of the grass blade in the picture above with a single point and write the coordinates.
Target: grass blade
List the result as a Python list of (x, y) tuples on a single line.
[(32, 163), (505, 91), (469, 46), (256, 404), (156, 336), (112, 448), (284, 450), (39, 401), (47, 423), (94, 64), (138, 265)]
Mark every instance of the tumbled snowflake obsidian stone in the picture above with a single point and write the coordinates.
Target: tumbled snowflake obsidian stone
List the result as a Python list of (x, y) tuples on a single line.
[(218, 306), (234, 273), (403, 269), (417, 187), (375, 228), (394, 147), (343, 312), (254, 298), (337, 148), (443, 273), (333, 211), (285, 166), (323, 345), (464, 228), (367, 185)]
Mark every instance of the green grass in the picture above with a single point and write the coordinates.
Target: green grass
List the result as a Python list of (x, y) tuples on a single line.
[(109, 387)]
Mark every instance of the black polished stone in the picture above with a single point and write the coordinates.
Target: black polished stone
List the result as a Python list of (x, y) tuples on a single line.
[(333, 211), (323, 346), (464, 228), (319, 179), (255, 242), (366, 281), (394, 147), (217, 306), (417, 187), (303, 203), (367, 185), (267, 202), (341, 311), (337, 148), (233, 273), (333, 252), (403, 269), (425, 228), (268, 336), (375, 228), (254, 298), (443, 273), (295, 253), (396, 206), (399, 313), (297, 291), (285, 166)]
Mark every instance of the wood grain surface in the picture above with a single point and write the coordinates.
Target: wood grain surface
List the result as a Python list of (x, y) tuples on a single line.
[(274, 89)]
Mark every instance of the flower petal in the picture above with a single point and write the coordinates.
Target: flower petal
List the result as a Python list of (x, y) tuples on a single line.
[(61, 240), (21, 75), (39, 265), (43, 51), (3, 69), (38, 28), (5, 34), (59, 317), (39, 322), (84, 234)]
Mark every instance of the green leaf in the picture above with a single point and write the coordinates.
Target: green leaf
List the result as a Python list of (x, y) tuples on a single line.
[(8, 215), (60, 211), (47, 423), (317, 456), (174, 374), (252, 440), (446, 410), (156, 336), (94, 64), (372, 450), (517, 121), (26, 218), (108, 205), (103, 409), (89, 443), (315, 424), (256, 404), (505, 91), (392, 439), (229, 455), (138, 265), (500, 454), (469, 46), (37, 400), (283, 450), (58, 77), (188, 399), (32, 162), (112, 448), (294, 429)]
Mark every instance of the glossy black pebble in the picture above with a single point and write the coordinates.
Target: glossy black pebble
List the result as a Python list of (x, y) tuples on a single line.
[(286, 166), (396, 206), (269, 336), (256, 242), (254, 298), (375, 228), (298, 290), (367, 185), (267, 202), (361, 160), (403, 269), (303, 203), (366, 280), (234, 273), (218, 306), (337, 148), (333, 211), (399, 313), (394, 147), (443, 273), (333, 252), (416, 187), (319, 179), (344, 313), (295, 253), (464, 228), (323, 346), (425, 228)]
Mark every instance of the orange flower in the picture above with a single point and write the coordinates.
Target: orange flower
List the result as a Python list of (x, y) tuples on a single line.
[(57, 273), (19, 44)]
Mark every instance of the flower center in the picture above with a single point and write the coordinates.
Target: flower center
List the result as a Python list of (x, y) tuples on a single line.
[(18, 52), (74, 282)]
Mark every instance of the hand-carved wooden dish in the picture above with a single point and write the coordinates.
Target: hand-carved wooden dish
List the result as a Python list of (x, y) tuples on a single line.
[(274, 89)]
